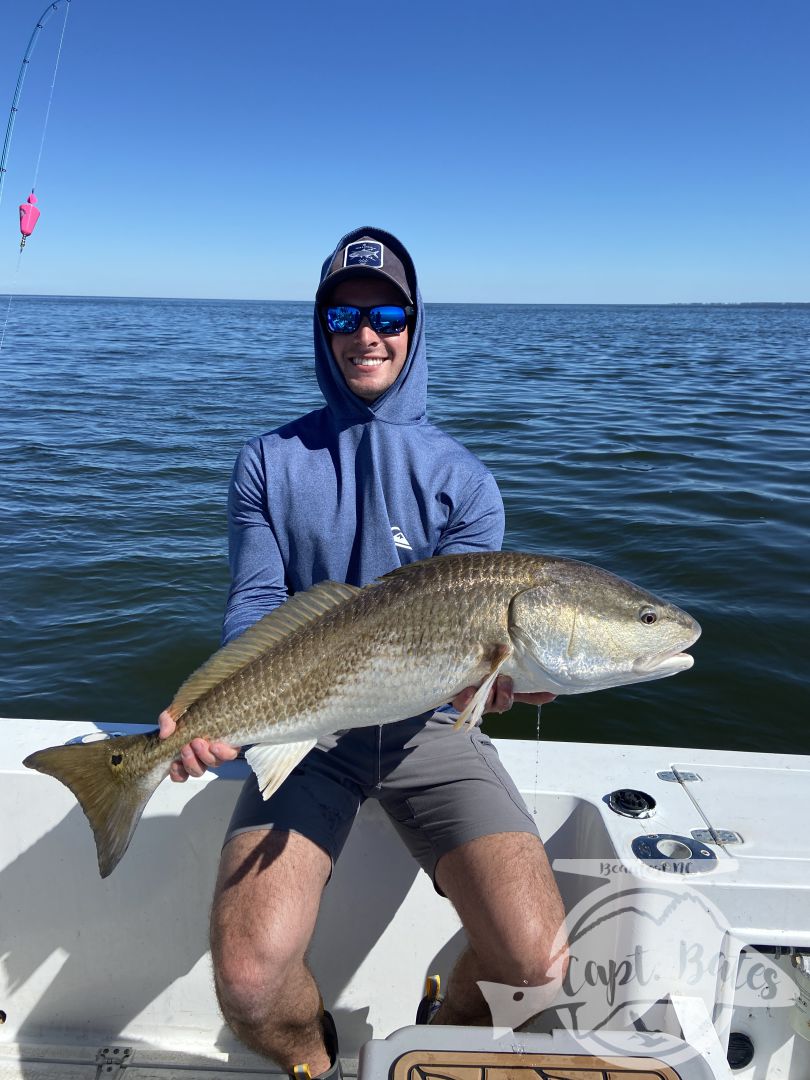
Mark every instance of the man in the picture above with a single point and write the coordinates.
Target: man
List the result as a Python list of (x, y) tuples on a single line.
[(348, 493)]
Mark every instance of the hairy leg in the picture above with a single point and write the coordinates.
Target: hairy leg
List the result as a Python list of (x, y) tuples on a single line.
[(265, 905), (507, 899)]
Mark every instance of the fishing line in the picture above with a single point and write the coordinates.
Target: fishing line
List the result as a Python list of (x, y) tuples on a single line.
[(10, 297), (46, 14), (50, 98), (15, 101), (537, 762)]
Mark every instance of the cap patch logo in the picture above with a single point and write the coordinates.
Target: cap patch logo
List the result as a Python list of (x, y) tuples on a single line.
[(363, 253)]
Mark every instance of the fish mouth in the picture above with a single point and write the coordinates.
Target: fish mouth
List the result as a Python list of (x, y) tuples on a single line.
[(667, 663)]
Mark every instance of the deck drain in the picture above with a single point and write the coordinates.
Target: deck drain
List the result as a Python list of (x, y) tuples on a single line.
[(740, 1050), (629, 802)]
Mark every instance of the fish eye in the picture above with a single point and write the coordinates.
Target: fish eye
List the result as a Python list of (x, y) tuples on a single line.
[(648, 616)]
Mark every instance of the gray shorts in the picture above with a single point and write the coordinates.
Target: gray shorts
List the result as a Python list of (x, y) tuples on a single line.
[(439, 787)]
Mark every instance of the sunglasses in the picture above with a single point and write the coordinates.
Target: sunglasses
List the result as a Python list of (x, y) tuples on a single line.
[(385, 319)]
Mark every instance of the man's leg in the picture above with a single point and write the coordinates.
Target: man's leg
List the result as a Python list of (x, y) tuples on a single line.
[(265, 905), (504, 892)]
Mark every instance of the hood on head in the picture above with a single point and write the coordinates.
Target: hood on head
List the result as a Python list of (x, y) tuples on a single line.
[(363, 252)]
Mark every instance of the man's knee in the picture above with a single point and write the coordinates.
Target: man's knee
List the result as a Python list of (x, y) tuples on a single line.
[(261, 923), (251, 977), (504, 890), (533, 954)]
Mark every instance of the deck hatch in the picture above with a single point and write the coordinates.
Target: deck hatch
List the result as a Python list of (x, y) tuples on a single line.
[(478, 1065)]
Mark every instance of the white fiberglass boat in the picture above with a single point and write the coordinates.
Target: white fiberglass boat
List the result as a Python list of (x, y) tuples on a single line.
[(686, 879)]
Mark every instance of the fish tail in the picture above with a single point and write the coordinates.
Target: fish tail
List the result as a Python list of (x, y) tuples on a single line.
[(113, 780)]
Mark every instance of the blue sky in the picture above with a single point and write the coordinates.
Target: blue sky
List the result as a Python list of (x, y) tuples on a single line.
[(633, 151)]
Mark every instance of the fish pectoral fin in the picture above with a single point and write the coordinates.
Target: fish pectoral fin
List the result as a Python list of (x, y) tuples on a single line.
[(274, 762), (475, 709)]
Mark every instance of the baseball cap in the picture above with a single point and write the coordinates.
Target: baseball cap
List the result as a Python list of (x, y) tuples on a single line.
[(364, 256)]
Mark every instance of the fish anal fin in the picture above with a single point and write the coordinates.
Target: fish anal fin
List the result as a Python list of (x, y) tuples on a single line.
[(299, 611), (475, 707), (273, 763)]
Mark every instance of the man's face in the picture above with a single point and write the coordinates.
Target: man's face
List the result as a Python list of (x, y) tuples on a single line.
[(369, 362)]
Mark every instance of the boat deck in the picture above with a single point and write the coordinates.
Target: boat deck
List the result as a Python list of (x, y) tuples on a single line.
[(90, 964)]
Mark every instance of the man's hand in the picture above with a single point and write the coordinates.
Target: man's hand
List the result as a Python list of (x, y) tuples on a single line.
[(501, 697), (196, 756)]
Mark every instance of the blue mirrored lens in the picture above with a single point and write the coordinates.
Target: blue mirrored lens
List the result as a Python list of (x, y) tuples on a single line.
[(343, 320), (385, 319)]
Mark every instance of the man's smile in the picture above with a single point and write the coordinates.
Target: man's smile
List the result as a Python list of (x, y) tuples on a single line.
[(368, 361)]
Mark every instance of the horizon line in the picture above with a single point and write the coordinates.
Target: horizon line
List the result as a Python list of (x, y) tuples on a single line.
[(428, 303)]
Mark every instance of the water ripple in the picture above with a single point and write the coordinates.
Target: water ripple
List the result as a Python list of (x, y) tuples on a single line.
[(670, 445)]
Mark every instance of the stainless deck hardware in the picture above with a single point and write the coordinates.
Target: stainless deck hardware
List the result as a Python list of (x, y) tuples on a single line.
[(675, 854), (676, 776), (112, 1060), (716, 836)]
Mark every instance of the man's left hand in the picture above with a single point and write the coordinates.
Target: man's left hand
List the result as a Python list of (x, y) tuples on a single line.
[(501, 697)]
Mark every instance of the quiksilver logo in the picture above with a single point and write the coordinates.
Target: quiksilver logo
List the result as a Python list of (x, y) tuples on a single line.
[(400, 539)]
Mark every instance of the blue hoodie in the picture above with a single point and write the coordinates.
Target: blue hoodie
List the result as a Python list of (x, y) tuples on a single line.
[(353, 490)]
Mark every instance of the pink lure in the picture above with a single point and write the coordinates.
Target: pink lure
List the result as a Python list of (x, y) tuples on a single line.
[(29, 215)]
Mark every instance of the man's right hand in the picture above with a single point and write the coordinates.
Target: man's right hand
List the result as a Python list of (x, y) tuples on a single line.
[(196, 756)]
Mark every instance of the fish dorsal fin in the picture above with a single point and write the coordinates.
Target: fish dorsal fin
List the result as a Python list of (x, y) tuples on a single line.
[(300, 610)]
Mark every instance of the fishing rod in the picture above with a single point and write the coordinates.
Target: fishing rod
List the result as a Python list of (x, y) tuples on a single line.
[(41, 21), (29, 212)]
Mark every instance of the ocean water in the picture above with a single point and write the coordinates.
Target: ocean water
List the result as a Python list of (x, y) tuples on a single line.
[(670, 445)]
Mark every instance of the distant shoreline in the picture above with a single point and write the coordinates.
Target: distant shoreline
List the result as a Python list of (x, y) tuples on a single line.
[(440, 303)]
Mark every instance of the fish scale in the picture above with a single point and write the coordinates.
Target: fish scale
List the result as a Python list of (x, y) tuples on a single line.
[(338, 657), (352, 667)]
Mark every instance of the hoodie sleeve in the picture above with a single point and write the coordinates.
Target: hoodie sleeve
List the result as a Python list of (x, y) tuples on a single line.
[(257, 570), (476, 521)]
